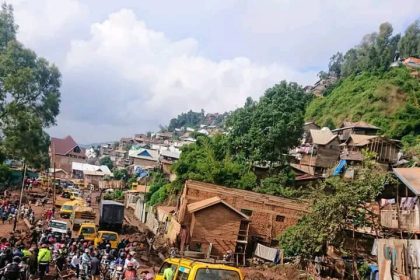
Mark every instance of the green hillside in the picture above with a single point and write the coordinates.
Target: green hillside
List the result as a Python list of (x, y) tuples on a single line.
[(389, 100)]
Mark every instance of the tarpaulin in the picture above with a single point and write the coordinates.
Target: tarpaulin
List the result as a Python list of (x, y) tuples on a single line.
[(267, 253)]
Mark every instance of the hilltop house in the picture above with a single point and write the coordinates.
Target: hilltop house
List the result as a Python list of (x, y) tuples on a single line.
[(64, 151), (167, 158), (386, 150), (145, 158), (361, 128), (91, 174), (125, 143), (321, 151)]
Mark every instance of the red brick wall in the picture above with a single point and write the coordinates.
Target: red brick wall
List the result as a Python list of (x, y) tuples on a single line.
[(64, 162), (264, 208), (218, 225)]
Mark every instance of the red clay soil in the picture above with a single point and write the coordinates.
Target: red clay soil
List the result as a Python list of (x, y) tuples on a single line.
[(285, 272)]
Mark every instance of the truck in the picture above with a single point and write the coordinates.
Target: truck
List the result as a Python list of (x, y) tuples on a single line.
[(111, 215), (82, 214)]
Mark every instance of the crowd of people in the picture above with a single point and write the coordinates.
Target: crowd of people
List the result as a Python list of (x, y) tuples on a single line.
[(40, 252), (35, 256)]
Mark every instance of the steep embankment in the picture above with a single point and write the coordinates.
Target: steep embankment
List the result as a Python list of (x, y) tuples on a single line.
[(390, 100)]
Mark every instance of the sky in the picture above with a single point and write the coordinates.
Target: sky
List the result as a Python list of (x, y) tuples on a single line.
[(128, 65)]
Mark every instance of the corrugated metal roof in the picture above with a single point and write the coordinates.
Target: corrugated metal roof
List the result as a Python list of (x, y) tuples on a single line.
[(410, 177), (90, 169), (63, 146), (202, 204), (144, 154), (361, 140), (359, 124), (171, 154), (322, 136)]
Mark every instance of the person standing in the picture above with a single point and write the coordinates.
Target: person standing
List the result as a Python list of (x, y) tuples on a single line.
[(95, 265), (44, 259), (33, 262)]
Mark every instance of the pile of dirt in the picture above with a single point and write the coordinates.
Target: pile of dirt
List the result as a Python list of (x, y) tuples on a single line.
[(280, 272)]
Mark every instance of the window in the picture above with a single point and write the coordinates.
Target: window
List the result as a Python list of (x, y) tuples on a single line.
[(183, 273), (109, 236), (216, 274), (247, 212), (166, 265), (88, 230), (76, 149), (280, 218)]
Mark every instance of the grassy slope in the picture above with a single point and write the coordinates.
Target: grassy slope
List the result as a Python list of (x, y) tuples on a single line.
[(390, 101)]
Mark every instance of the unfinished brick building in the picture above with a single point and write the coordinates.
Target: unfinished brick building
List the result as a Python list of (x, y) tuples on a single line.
[(233, 219)]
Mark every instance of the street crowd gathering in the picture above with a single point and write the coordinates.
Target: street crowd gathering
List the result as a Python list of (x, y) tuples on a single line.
[(41, 253)]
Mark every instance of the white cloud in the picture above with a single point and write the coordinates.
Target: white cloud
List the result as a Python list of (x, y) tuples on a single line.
[(128, 71), (45, 24), (164, 76), (314, 30)]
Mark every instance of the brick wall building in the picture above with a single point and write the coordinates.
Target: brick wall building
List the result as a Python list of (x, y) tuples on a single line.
[(64, 151), (268, 215)]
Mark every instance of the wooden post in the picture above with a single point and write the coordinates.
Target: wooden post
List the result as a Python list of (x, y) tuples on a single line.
[(21, 196), (53, 157)]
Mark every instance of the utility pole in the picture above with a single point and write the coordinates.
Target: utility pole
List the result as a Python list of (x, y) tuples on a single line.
[(21, 196), (53, 159)]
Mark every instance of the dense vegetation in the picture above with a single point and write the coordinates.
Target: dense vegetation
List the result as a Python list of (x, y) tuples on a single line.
[(338, 207), (263, 132), (389, 100), (260, 134), (29, 97), (195, 119), (367, 89)]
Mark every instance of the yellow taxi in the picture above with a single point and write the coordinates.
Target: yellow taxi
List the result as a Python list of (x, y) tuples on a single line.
[(89, 231), (112, 236), (187, 269)]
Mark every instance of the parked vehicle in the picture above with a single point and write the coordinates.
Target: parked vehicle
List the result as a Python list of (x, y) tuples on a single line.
[(82, 214), (111, 215), (196, 270), (67, 208), (89, 231), (58, 226)]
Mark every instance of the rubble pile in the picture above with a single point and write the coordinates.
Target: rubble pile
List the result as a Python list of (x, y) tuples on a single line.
[(279, 272)]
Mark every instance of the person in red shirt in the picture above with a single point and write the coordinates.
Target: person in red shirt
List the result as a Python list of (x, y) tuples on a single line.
[(130, 273)]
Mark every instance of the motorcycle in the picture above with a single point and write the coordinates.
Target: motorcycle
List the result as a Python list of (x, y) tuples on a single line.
[(117, 272)]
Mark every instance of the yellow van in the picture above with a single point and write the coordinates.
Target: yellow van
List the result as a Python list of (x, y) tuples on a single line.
[(89, 231), (112, 236), (187, 269), (67, 208)]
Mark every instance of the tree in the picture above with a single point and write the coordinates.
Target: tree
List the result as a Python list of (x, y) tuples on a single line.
[(334, 66), (409, 44), (208, 160), (375, 52), (264, 131), (29, 96), (120, 174), (106, 161), (338, 206)]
